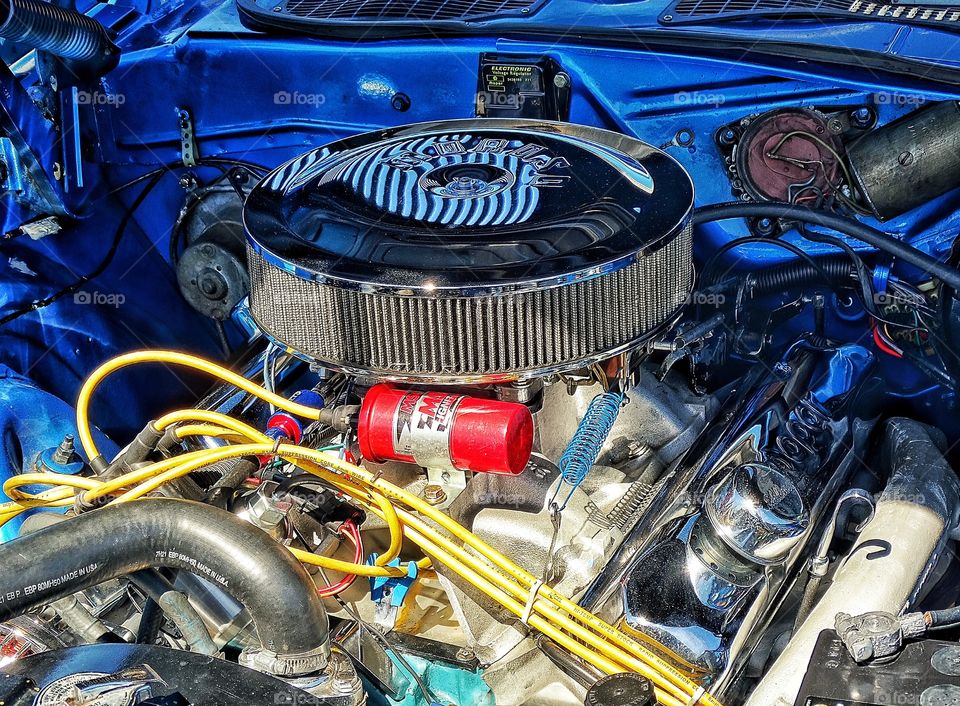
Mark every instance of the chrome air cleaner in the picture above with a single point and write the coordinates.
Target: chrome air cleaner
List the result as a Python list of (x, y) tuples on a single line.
[(470, 250)]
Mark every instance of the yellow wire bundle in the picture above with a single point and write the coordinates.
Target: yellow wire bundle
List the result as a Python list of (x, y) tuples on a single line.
[(405, 514)]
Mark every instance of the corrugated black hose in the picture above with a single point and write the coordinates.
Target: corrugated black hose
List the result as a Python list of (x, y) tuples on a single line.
[(69, 34)]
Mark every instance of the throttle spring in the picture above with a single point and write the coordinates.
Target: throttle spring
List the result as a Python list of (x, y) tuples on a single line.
[(582, 451)]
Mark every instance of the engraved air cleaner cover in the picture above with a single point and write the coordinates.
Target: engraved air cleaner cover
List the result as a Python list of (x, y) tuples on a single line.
[(426, 236)]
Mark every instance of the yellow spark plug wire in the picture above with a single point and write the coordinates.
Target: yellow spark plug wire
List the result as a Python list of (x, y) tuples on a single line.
[(552, 613), (84, 431), (606, 656)]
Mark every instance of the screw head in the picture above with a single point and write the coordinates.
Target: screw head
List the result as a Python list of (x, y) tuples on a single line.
[(400, 102)]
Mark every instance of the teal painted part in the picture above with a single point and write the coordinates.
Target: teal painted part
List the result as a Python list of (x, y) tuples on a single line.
[(448, 685)]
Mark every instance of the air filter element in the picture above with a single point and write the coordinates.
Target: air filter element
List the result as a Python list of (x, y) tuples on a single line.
[(470, 250)]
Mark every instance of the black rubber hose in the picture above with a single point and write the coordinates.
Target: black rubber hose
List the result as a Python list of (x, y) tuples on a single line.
[(151, 619), (117, 540), (152, 583), (942, 619), (69, 34), (231, 474), (795, 274), (847, 226)]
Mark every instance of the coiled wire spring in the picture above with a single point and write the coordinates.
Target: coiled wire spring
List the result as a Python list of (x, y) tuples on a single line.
[(582, 451)]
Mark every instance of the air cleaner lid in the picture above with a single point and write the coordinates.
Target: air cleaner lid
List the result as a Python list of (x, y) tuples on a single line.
[(468, 204)]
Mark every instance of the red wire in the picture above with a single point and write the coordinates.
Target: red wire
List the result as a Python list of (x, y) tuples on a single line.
[(351, 532), (881, 344)]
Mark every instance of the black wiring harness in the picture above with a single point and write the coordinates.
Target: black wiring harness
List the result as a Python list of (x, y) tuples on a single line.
[(848, 271), (153, 178)]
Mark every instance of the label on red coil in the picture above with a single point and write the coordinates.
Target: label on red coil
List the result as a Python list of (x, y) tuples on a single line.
[(422, 427)]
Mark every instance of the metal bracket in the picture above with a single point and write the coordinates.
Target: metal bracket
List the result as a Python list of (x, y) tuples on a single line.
[(188, 141), (389, 593), (686, 341)]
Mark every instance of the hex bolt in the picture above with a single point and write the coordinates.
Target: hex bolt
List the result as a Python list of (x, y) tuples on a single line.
[(862, 117), (345, 684), (434, 493), (728, 136), (65, 450)]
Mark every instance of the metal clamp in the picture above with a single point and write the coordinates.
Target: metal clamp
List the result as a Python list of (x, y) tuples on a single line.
[(189, 154), (531, 599), (390, 592), (878, 634)]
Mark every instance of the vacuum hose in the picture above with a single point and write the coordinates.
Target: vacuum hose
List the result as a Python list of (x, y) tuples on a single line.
[(847, 226), (793, 274), (65, 33), (120, 539)]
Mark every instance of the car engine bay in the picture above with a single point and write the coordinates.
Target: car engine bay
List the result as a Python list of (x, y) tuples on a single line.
[(474, 354)]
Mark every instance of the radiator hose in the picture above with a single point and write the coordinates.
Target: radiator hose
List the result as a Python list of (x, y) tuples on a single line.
[(117, 540), (69, 34)]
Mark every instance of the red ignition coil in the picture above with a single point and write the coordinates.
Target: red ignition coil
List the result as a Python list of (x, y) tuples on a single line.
[(443, 430)]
